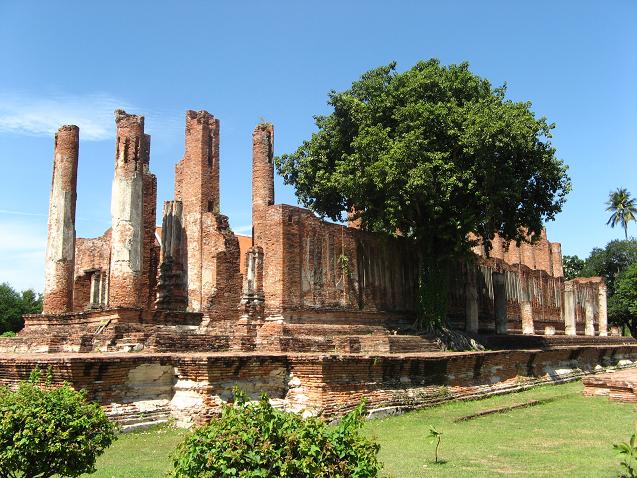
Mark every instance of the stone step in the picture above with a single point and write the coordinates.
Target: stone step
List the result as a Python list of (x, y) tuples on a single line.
[(350, 344), (370, 320), (333, 329)]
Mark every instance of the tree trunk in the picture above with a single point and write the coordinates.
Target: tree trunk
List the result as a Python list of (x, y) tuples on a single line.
[(433, 289)]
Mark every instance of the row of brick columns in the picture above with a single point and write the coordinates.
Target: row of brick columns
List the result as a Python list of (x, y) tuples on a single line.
[(569, 311), (526, 308)]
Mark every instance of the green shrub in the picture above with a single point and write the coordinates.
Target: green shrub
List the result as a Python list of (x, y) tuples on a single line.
[(47, 430), (254, 440), (8, 334)]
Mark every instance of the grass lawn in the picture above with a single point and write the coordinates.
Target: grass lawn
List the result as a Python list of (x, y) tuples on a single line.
[(569, 436)]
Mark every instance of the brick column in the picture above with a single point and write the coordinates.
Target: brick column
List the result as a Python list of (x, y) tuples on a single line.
[(557, 269), (568, 309), (127, 205), (471, 299), (197, 187), (500, 302), (150, 259), (262, 177), (60, 248), (602, 310), (589, 314)]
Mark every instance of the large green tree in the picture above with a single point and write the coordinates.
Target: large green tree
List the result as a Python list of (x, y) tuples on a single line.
[(13, 305), (623, 208), (436, 153)]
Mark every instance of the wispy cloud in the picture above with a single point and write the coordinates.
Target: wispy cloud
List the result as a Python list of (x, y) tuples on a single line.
[(22, 247), (26, 113)]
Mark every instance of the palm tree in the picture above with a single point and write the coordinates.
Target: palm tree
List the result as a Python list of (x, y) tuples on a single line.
[(623, 207)]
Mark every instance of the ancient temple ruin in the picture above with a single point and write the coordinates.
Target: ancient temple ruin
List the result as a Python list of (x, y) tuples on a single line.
[(314, 313)]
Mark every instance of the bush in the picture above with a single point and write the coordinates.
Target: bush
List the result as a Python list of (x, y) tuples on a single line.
[(8, 334), (628, 453), (46, 431), (254, 440)]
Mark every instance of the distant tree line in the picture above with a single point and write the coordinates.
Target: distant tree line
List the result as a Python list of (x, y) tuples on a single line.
[(14, 304)]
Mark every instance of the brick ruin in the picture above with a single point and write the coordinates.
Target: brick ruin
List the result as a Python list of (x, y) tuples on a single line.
[(317, 314)]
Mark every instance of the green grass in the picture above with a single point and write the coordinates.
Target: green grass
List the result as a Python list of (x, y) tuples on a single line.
[(569, 436), (141, 454)]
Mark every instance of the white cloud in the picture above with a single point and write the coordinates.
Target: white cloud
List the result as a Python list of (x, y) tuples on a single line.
[(24, 113), (22, 248)]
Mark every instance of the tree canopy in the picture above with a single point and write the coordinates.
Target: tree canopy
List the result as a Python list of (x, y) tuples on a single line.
[(434, 152), (436, 155)]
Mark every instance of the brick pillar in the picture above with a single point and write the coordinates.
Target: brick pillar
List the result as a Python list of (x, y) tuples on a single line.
[(589, 315), (127, 212), (60, 249), (500, 302), (262, 177), (557, 269), (601, 310), (150, 259), (171, 289), (471, 299), (568, 309), (197, 187)]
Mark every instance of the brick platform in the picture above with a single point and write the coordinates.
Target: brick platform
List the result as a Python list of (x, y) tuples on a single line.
[(142, 388)]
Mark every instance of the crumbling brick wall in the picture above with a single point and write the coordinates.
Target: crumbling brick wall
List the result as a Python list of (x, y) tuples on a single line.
[(311, 265)]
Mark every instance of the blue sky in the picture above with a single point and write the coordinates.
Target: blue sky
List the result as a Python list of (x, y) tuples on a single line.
[(76, 61)]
